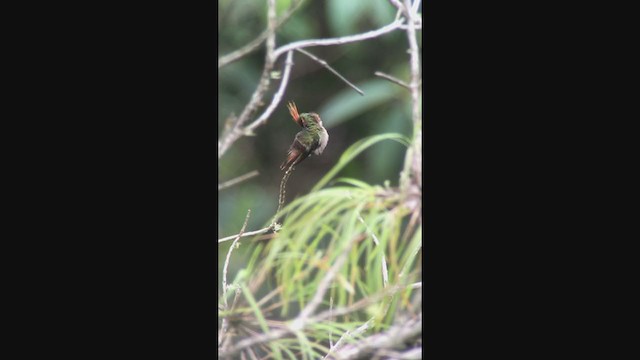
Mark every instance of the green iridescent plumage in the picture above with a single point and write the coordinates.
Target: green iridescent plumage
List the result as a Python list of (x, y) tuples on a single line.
[(312, 139)]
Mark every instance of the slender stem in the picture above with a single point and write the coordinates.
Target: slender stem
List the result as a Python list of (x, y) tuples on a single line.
[(237, 180), (276, 97), (225, 322), (324, 63), (413, 160), (349, 334), (250, 233), (393, 79), (341, 40), (234, 133)]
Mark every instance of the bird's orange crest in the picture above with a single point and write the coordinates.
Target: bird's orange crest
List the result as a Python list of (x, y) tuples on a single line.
[(293, 110)]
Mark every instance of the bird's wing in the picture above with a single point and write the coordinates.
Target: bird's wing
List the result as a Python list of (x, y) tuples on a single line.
[(297, 152)]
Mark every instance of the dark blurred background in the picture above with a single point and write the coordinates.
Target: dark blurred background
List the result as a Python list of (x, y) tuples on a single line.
[(347, 115)]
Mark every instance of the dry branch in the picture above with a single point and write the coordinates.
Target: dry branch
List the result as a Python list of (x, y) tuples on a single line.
[(235, 132), (250, 233), (341, 40), (239, 179), (276, 97), (393, 80), (326, 65), (225, 323)]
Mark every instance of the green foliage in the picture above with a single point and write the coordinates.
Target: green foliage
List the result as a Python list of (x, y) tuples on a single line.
[(335, 208), (346, 16), (354, 151), (317, 230), (347, 104)]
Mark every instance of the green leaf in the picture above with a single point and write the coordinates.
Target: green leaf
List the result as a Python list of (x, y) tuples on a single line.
[(261, 320), (354, 150)]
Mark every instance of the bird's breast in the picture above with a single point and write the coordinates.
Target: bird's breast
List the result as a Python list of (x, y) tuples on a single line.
[(324, 139)]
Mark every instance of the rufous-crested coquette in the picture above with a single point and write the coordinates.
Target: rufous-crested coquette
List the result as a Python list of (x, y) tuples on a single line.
[(312, 139)]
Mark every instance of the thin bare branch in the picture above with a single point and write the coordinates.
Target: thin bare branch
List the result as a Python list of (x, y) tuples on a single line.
[(237, 180), (250, 233), (255, 43), (412, 168), (341, 40), (272, 23), (396, 336), (393, 79), (235, 132), (331, 318), (400, 7), (414, 61), (243, 51), (349, 334), (276, 97), (226, 262), (324, 63), (224, 277), (415, 6)]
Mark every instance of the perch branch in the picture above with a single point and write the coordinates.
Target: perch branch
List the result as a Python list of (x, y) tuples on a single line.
[(237, 180), (324, 63)]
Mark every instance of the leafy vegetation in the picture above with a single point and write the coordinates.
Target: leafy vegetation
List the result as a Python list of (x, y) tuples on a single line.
[(345, 261)]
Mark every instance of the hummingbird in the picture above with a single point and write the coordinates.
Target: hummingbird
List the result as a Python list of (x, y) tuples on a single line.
[(312, 139)]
